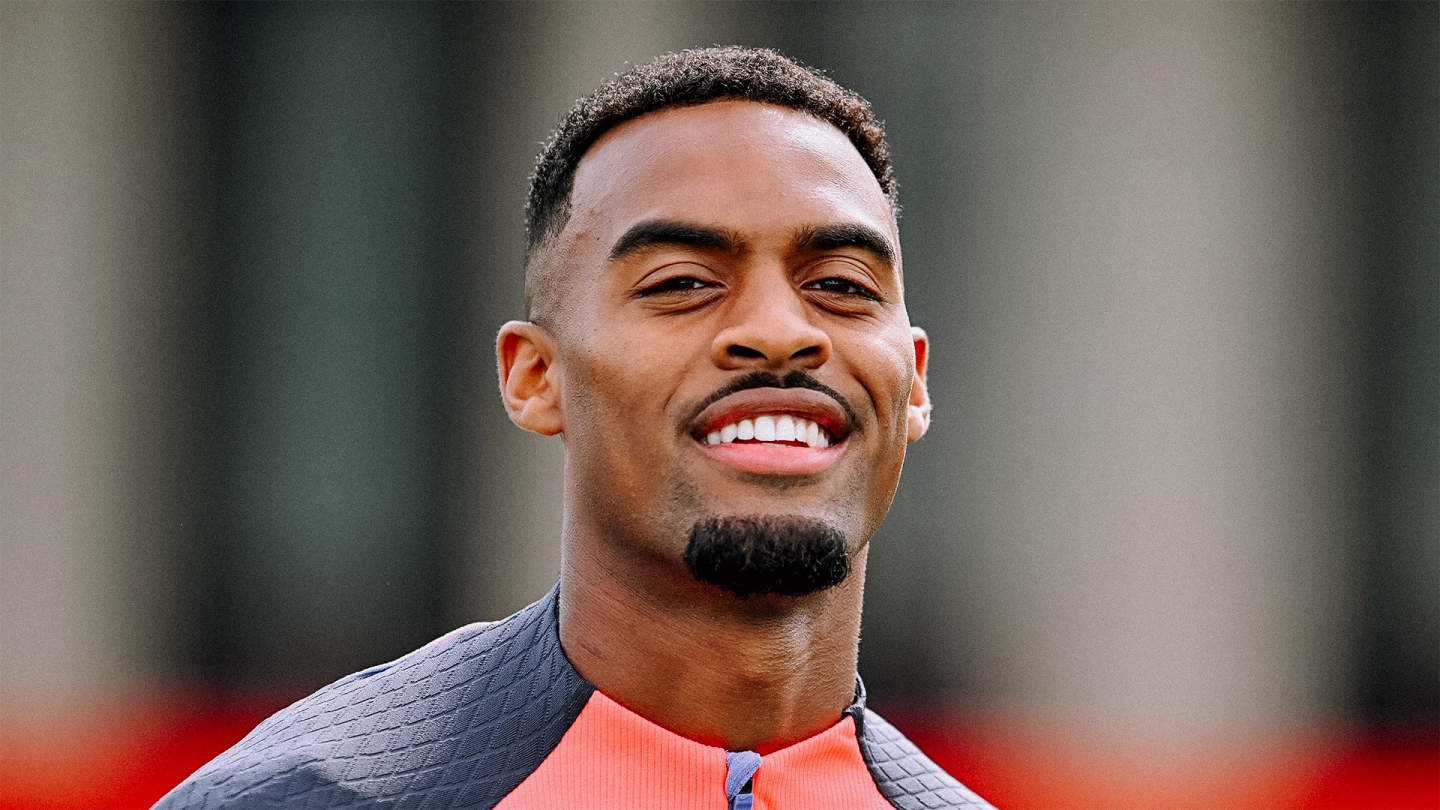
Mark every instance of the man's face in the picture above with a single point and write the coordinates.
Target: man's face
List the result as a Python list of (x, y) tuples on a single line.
[(730, 335)]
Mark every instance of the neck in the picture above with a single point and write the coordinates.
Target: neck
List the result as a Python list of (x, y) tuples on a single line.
[(756, 673)]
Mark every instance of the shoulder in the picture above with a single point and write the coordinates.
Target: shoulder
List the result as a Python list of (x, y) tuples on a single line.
[(907, 778), (461, 715)]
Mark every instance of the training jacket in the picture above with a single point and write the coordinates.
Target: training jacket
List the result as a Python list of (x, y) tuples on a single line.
[(494, 716)]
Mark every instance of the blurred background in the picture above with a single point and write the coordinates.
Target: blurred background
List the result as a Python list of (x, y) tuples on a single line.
[(1173, 540)]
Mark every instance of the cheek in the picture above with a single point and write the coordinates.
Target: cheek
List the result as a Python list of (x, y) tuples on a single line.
[(613, 403), (887, 371)]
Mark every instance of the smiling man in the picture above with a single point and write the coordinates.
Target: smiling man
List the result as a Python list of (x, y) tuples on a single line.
[(717, 329)]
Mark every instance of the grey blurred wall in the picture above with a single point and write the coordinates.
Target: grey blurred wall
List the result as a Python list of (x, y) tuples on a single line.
[(1178, 262), (1400, 380), (98, 373), (327, 332)]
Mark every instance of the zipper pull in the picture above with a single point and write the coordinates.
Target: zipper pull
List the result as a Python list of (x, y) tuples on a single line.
[(740, 768)]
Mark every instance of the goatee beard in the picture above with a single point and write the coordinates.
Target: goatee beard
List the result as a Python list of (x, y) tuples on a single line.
[(767, 555)]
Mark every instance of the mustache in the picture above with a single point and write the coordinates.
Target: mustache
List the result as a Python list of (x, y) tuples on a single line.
[(768, 379)]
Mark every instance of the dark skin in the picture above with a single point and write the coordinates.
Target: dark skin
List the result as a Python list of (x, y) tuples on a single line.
[(705, 244)]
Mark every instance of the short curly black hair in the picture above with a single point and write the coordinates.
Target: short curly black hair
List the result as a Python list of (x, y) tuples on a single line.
[(686, 79)]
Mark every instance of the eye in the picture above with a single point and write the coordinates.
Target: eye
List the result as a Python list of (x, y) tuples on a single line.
[(836, 285), (676, 284)]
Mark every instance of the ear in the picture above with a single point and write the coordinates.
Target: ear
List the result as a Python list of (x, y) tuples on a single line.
[(919, 410), (529, 381)]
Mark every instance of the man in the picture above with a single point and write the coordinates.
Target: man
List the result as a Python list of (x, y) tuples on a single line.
[(718, 332)]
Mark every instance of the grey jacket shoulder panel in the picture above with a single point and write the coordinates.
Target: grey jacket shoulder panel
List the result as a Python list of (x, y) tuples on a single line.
[(907, 778), (458, 723)]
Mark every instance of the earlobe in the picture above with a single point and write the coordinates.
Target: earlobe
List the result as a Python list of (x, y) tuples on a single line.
[(529, 381), (919, 407)]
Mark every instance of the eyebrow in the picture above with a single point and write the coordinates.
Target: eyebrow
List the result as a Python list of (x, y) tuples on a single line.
[(851, 235), (671, 233)]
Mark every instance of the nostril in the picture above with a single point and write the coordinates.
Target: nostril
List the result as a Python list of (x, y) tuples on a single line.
[(746, 352), (809, 351)]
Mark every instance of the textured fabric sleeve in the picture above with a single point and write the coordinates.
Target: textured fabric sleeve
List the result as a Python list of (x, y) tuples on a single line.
[(908, 779), (458, 723)]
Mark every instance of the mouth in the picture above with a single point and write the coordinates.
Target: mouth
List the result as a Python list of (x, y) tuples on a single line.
[(773, 429), (777, 431)]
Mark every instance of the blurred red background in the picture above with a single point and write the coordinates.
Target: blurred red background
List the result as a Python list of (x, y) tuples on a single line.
[(127, 751)]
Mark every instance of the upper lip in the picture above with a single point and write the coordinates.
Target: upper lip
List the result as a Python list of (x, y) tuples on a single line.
[(752, 402)]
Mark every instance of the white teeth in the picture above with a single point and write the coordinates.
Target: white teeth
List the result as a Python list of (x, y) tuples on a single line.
[(771, 430), (765, 428), (785, 429)]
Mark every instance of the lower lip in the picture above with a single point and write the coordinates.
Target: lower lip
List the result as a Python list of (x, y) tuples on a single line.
[(770, 459)]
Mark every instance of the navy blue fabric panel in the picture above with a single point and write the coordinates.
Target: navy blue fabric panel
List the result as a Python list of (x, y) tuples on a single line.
[(458, 723), (907, 778)]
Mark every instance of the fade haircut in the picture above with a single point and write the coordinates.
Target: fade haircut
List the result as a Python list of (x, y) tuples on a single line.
[(687, 79)]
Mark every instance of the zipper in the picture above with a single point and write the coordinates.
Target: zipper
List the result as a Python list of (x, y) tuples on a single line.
[(740, 768)]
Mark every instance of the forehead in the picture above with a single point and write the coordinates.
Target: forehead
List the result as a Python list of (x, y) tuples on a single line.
[(757, 169)]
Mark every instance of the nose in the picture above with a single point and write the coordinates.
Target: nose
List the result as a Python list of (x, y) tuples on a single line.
[(769, 326)]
